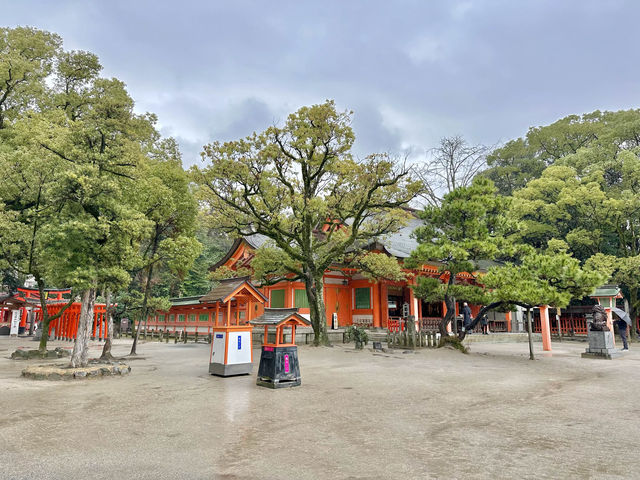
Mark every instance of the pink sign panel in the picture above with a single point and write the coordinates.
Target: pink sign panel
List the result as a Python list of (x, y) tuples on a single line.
[(268, 349), (286, 363)]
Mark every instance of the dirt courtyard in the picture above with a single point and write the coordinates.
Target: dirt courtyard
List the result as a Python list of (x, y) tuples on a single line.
[(358, 415)]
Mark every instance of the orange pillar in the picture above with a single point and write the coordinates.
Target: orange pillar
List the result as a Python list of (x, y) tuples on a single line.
[(546, 331), (508, 318), (384, 303), (377, 305), (93, 335), (23, 318), (444, 314)]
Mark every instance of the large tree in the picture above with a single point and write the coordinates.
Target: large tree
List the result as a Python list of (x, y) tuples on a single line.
[(166, 200), (300, 186)]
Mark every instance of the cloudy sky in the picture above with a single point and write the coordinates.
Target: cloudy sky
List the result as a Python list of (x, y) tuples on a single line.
[(412, 71)]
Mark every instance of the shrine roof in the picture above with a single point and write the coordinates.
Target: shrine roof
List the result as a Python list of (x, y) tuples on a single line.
[(179, 301), (276, 316), (227, 287), (607, 291)]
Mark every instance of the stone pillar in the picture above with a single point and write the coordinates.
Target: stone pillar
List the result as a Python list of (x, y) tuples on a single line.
[(546, 331)]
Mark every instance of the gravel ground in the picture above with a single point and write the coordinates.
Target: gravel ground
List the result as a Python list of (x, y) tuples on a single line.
[(432, 414)]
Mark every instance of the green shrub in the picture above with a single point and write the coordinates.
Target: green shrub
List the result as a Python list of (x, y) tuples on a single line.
[(358, 335)]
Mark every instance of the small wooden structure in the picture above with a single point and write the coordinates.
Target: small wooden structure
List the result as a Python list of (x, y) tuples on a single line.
[(231, 348), (279, 366)]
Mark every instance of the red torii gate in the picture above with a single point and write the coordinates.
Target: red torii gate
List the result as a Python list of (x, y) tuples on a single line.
[(66, 326)]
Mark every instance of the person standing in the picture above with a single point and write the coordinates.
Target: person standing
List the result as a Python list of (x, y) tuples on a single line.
[(485, 324), (622, 330), (466, 317)]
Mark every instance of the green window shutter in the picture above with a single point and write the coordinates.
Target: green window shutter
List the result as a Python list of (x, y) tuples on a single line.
[(277, 298), (172, 318), (363, 298), (181, 318), (301, 299), (161, 318), (204, 317), (192, 317)]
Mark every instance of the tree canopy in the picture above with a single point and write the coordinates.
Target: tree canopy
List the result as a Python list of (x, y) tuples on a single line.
[(300, 186)]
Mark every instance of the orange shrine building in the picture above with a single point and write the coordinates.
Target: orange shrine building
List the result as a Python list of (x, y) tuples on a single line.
[(350, 298)]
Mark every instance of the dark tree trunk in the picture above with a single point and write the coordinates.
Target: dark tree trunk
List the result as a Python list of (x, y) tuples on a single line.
[(314, 287), (80, 355), (529, 331), (106, 350), (147, 292), (450, 303)]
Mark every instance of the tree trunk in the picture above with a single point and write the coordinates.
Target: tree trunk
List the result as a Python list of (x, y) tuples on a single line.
[(46, 318), (106, 350), (450, 303), (143, 310), (32, 321), (314, 287), (454, 324), (449, 316), (558, 323), (531, 357), (80, 355)]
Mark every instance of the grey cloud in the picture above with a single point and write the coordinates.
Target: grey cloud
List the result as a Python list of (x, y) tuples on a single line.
[(412, 71)]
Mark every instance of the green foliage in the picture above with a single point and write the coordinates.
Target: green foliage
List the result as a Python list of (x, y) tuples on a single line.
[(358, 335), (590, 195), (550, 278), (374, 266), (198, 280), (468, 226), (26, 59)]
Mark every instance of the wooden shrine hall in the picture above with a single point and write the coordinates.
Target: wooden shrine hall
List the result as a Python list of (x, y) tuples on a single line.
[(234, 301)]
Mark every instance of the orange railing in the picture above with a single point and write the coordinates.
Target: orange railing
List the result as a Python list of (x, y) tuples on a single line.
[(570, 324)]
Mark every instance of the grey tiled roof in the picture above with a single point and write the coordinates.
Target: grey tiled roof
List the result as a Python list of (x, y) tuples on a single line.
[(274, 316), (400, 244), (225, 288)]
